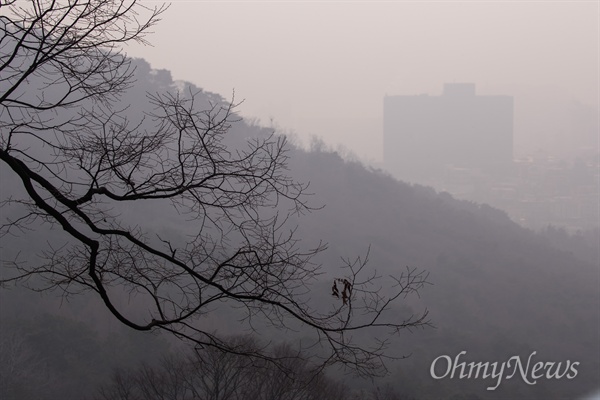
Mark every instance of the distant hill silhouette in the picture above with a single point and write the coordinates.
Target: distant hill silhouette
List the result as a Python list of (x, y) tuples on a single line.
[(498, 290)]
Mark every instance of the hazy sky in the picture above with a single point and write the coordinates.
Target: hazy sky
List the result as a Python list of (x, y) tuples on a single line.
[(323, 67)]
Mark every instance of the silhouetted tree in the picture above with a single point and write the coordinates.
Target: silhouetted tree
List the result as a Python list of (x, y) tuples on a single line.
[(213, 375), (82, 161), (22, 373), (209, 374)]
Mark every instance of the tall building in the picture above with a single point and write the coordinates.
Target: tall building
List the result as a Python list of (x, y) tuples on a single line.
[(425, 135)]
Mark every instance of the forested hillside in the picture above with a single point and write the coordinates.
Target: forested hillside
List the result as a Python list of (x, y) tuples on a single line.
[(497, 290)]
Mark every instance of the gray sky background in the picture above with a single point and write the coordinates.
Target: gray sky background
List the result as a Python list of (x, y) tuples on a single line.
[(322, 68)]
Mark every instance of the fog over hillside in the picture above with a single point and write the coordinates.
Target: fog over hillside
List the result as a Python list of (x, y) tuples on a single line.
[(331, 80), (497, 290)]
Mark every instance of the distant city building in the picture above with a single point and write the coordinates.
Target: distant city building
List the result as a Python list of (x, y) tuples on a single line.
[(424, 135)]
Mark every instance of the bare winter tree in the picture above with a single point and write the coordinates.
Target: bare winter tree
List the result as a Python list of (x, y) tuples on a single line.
[(211, 374), (84, 166), (22, 373)]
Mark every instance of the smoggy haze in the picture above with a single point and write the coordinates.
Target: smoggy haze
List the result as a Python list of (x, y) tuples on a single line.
[(323, 68)]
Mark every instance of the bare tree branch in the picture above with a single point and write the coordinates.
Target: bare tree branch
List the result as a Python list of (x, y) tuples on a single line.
[(81, 161)]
